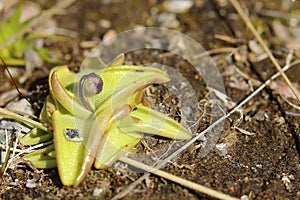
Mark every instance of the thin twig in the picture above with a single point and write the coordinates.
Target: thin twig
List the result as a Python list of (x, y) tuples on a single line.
[(5, 163), (215, 51), (246, 19), (290, 103), (12, 80), (6, 140), (28, 150), (4, 146), (278, 14), (14, 149), (176, 179), (227, 39), (9, 114)]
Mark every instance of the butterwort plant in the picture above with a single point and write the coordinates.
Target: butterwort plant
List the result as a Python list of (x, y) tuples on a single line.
[(96, 117)]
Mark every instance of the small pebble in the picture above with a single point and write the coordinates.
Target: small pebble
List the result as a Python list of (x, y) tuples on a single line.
[(178, 6), (244, 197), (255, 47), (97, 192), (105, 23), (253, 169), (259, 166)]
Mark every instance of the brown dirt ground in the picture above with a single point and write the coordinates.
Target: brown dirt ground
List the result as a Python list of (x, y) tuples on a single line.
[(255, 165)]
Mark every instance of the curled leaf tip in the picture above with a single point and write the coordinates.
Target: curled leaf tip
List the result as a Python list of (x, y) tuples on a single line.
[(89, 84)]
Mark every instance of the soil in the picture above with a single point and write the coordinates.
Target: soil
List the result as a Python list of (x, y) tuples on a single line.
[(263, 154)]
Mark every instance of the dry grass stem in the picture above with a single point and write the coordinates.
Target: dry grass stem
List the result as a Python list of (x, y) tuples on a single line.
[(4, 146), (247, 20), (28, 150), (278, 14), (176, 179), (14, 149), (9, 114), (227, 39), (215, 51)]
